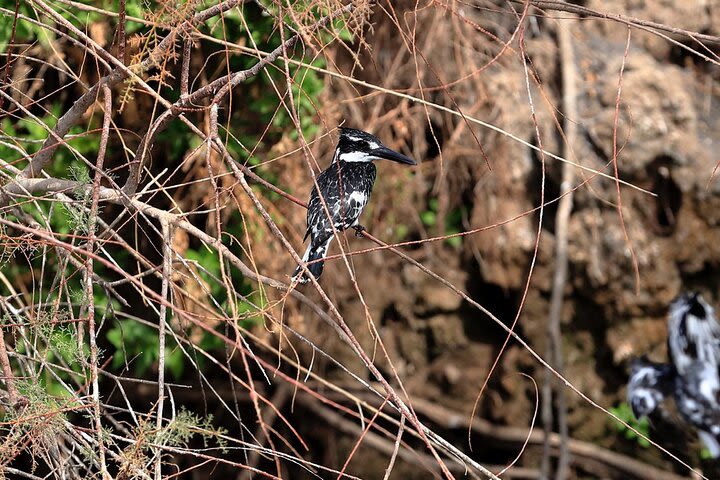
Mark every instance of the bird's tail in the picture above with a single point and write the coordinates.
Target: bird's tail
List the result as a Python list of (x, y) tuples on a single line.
[(315, 251)]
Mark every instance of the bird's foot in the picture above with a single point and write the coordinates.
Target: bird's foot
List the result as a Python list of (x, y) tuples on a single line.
[(358, 230)]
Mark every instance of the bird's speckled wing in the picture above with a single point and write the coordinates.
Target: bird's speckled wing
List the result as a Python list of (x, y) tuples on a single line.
[(696, 394), (346, 189)]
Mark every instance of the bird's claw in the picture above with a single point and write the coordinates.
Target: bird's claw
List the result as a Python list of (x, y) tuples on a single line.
[(358, 230)]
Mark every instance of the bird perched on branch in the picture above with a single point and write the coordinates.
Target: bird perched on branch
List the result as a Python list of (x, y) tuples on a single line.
[(341, 193), (691, 378)]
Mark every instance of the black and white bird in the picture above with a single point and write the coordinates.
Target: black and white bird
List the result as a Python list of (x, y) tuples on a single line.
[(696, 396), (693, 333), (692, 377), (650, 383), (344, 190)]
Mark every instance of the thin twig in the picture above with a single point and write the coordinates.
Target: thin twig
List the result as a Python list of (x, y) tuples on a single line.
[(355, 345), (653, 27), (599, 461), (396, 449), (92, 331), (185, 70), (616, 167), (167, 252), (278, 399), (387, 447), (8, 375)]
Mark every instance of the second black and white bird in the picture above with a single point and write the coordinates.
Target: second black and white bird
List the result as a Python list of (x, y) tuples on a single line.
[(344, 191), (692, 377)]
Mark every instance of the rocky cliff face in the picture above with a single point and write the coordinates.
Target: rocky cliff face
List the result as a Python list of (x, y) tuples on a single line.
[(667, 131)]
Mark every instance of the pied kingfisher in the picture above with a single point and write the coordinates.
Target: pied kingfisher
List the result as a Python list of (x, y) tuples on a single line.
[(345, 188), (692, 377), (648, 386)]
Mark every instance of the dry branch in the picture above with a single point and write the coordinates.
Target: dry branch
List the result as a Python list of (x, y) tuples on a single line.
[(554, 351)]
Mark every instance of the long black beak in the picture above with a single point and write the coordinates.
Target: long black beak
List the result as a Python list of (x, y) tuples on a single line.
[(386, 153)]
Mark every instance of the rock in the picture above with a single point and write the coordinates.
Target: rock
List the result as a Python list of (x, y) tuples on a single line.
[(667, 134), (437, 298), (413, 347), (639, 336), (656, 107), (693, 16), (447, 331), (455, 377)]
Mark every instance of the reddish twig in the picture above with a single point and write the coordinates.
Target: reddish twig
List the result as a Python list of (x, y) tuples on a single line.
[(636, 267), (107, 114)]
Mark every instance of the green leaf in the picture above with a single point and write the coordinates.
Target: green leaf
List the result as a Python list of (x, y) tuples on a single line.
[(429, 218), (624, 413)]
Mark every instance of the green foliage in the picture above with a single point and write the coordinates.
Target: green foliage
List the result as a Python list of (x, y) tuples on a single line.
[(11, 247), (453, 225), (185, 426), (26, 31), (29, 136), (43, 408), (624, 413), (177, 140), (79, 173), (136, 344), (55, 341), (309, 12), (306, 89), (79, 213), (26, 136), (211, 273), (8, 154), (137, 9), (453, 221), (400, 231), (259, 93), (27, 428), (139, 344), (82, 142), (429, 216), (63, 343)]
